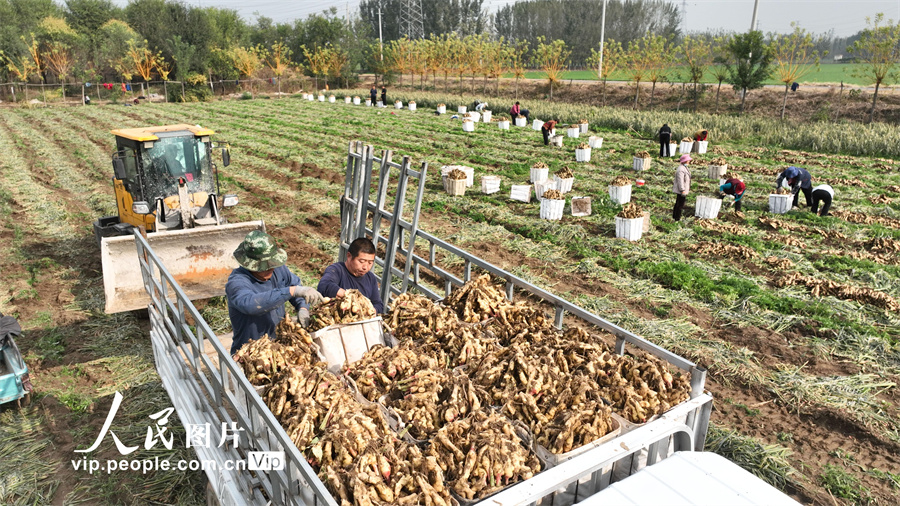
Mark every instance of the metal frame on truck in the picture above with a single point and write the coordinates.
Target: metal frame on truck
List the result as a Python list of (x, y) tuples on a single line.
[(207, 386)]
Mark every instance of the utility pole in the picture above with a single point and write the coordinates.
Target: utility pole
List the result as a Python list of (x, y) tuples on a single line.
[(753, 25), (602, 33), (380, 46)]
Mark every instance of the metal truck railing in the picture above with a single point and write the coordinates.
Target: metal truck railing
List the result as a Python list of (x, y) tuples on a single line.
[(214, 390)]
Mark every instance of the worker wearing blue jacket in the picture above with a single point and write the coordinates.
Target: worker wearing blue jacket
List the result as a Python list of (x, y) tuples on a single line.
[(354, 273), (257, 290), (799, 179)]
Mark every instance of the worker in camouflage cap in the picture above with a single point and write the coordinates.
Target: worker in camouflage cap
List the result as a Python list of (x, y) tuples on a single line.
[(257, 290)]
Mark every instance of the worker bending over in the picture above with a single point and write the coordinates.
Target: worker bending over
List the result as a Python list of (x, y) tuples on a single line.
[(547, 130), (799, 179), (257, 290), (822, 194), (736, 187), (355, 272)]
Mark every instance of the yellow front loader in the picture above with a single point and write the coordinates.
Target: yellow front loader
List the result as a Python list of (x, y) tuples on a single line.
[(167, 185)]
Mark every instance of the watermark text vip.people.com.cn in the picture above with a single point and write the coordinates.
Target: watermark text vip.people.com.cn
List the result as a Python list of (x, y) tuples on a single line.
[(256, 461)]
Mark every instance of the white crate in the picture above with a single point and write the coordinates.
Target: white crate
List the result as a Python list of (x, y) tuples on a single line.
[(321, 98), (461, 109), (310, 97), (486, 116), (398, 105), (412, 106), (780, 204), (455, 186), (537, 125), (521, 121), (368, 101), (564, 185), (582, 155), (348, 100), (573, 131), (503, 125), (552, 209), (331, 99), (346, 343), (557, 141), (702, 147), (620, 194), (595, 142), (442, 109), (581, 206), (490, 184), (629, 228), (520, 192), (468, 126), (474, 116), (685, 147), (716, 171), (541, 186), (583, 127), (641, 163), (470, 173), (538, 174), (356, 101), (673, 149), (707, 207)]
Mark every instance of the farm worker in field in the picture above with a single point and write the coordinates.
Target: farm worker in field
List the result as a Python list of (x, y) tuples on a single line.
[(257, 290), (517, 111), (547, 129), (682, 185), (736, 187), (699, 137), (355, 272), (799, 179), (384, 96), (479, 105), (373, 94), (822, 194), (665, 137)]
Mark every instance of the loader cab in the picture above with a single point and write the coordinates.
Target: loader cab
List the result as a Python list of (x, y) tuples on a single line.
[(165, 178)]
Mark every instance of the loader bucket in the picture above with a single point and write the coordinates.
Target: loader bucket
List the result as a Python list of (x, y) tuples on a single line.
[(200, 259)]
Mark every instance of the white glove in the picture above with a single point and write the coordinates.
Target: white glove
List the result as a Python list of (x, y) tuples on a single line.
[(313, 298), (303, 317)]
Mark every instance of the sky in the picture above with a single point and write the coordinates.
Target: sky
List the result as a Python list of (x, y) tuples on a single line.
[(846, 17)]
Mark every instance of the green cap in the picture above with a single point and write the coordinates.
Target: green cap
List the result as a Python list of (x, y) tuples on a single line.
[(258, 252)]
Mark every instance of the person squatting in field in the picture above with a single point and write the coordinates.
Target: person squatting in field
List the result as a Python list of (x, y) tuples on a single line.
[(355, 272), (665, 137), (736, 187), (799, 179), (547, 130), (681, 186), (257, 290), (822, 194)]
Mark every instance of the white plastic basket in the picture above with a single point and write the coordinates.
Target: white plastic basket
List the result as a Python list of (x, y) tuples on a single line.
[(685, 147), (461, 109), (673, 149), (456, 186), (412, 106), (470, 172), (582, 155), (556, 141), (595, 142), (369, 102), (521, 121), (331, 99), (620, 194), (581, 206), (641, 163), (780, 204), (380, 104), (707, 207), (474, 116), (716, 171), (629, 228), (486, 116), (398, 105), (552, 209), (702, 147), (490, 184), (346, 343), (573, 131), (468, 126), (356, 100), (583, 127), (537, 125), (442, 109), (520, 192), (541, 186), (310, 97), (348, 100), (538, 174), (321, 98), (564, 185), (503, 125)]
